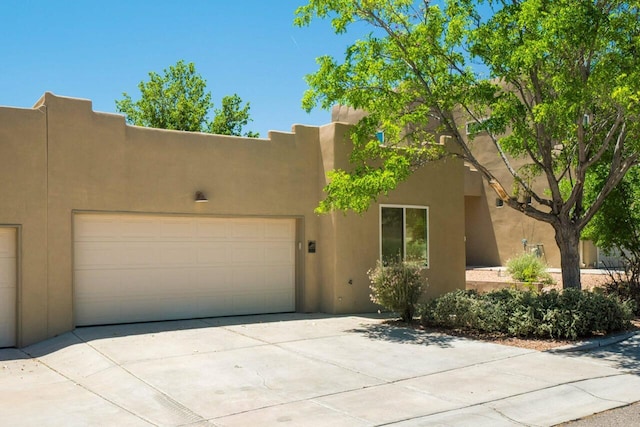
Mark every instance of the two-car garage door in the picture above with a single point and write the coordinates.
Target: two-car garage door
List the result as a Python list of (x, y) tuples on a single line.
[(133, 268)]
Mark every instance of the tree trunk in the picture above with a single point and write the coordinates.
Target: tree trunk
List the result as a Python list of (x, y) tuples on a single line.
[(568, 240)]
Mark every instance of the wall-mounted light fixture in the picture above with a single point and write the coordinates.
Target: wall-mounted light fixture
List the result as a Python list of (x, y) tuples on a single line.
[(499, 202), (200, 197)]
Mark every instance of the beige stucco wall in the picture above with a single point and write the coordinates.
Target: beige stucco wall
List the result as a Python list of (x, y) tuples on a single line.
[(61, 157), (97, 163), (495, 234), (23, 204), (440, 187)]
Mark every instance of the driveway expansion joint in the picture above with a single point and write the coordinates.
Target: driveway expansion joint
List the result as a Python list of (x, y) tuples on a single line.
[(164, 399)]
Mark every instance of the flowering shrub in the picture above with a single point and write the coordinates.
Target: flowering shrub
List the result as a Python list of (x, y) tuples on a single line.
[(397, 287)]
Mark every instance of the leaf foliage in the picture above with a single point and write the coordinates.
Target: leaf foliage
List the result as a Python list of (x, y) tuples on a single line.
[(178, 99), (552, 87)]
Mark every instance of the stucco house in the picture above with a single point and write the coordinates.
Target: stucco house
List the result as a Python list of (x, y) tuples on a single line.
[(101, 222), (495, 233)]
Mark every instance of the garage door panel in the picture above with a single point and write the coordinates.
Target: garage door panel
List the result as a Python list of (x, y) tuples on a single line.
[(211, 279), (213, 254), (279, 230), (113, 254), (135, 230), (177, 254), (247, 279), (279, 253), (170, 282), (140, 283), (8, 286), (139, 254), (7, 272), (115, 284), (177, 229), (7, 243), (97, 229), (7, 332), (249, 303), (221, 303), (247, 253), (277, 278), (174, 308), (247, 229), (279, 301), (7, 304), (101, 310), (97, 283), (182, 267), (97, 254), (212, 229), (136, 309)]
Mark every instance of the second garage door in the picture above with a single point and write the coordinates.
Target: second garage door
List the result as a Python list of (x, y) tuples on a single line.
[(7, 287), (134, 268)]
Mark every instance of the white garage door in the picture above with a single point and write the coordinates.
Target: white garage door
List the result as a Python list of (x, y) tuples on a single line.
[(131, 268), (7, 287)]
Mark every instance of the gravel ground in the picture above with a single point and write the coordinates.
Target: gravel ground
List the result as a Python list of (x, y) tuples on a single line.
[(588, 281), (625, 416)]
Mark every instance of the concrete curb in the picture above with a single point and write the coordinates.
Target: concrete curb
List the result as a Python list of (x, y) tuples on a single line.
[(593, 343)]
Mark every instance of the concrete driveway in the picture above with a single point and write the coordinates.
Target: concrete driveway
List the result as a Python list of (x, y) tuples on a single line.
[(298, 369)]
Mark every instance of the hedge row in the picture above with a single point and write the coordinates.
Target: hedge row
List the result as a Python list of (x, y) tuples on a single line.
[(568, 314)]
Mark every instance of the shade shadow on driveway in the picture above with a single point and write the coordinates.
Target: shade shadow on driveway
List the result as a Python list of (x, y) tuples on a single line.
[(403, 335)]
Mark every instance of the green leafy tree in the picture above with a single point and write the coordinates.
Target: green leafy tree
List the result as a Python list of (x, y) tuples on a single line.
[(231, 118), (178, 100), (558, 80), (616, 226)]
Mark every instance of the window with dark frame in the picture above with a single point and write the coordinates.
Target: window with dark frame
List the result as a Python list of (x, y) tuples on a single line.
[(404, 234)]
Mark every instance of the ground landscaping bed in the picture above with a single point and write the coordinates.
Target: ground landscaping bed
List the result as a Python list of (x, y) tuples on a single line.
[(500, 277), (528, 343)]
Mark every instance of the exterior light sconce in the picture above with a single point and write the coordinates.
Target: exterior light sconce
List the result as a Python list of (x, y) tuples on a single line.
[(200, 197), (499, 202)]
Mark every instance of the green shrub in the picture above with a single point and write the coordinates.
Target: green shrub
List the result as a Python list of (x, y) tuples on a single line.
[(397, 287), (624, 289), (528, 268), (568, 314)]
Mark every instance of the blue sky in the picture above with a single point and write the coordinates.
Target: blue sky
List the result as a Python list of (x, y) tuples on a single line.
[(97, 50)]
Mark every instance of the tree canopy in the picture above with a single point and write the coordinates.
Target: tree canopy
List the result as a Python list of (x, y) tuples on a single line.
[(178, 100), (231, 118), (554, 84), (616, 226)]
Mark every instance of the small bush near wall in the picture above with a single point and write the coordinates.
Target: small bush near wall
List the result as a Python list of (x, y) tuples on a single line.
[(528, 268), (397, 287), (569, 314)]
